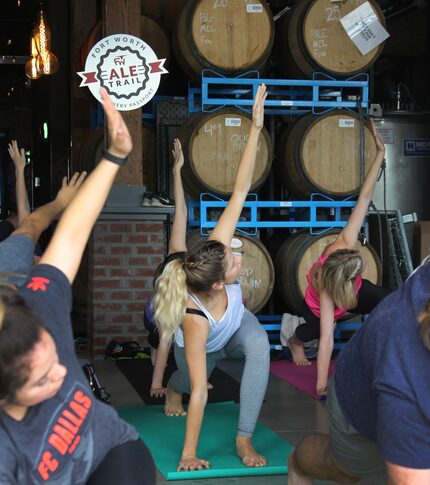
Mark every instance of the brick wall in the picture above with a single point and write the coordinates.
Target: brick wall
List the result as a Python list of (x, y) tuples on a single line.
[(124, 257)]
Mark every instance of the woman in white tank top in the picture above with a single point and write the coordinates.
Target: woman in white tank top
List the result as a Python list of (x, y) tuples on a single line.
[(202, 292)]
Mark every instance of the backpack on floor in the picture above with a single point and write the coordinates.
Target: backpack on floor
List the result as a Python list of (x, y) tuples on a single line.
[(122, 350)]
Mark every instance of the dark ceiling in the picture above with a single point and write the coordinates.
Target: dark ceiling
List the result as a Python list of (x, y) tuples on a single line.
[(17, 18)]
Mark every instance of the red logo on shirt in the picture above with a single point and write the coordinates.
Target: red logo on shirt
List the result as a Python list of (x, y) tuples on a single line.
[(38, 283), (65, 434)]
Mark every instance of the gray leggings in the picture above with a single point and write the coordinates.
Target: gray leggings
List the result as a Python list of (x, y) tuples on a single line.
[(250, 342)]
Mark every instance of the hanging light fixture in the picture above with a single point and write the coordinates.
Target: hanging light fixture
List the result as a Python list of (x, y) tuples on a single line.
[(32, 67), (46, 63)]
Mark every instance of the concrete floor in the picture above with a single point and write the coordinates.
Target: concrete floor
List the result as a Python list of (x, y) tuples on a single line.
[(288, 412)]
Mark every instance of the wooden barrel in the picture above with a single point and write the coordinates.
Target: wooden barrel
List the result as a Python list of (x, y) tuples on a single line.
[(258, 274), (165, 12), (150, 32), (213, 146), (298, 253), (313, 39), (322, 154), (224, 35), (90, 153)]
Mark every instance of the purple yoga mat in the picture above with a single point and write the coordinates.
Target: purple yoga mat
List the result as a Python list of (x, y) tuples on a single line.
[(302, 377)]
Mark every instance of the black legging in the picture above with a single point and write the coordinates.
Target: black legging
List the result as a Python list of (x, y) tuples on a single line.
[(368, 297), (130, 463)]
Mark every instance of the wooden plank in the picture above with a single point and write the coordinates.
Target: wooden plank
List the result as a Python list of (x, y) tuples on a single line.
[(123, 16)]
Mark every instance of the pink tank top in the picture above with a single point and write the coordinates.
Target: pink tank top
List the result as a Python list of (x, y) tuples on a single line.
[(312, 297)]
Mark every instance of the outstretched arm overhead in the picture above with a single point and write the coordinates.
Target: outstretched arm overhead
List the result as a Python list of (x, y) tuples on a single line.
[(74, 228), (177, 241), (226, 224), (39, 220), (18, 157), (349, 235)]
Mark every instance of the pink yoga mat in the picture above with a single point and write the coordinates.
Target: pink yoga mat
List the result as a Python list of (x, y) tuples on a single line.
[(302, 377)]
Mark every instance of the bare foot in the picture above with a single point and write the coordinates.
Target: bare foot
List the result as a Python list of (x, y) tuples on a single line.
[(298, 352), (246, 452), (210, 386), (173, 404)]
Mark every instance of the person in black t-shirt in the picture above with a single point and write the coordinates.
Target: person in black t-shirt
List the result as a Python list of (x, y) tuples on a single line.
[(52, 429)]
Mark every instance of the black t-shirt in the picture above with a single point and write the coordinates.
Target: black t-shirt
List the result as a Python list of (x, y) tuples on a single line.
[(62, 440), (382, 376)]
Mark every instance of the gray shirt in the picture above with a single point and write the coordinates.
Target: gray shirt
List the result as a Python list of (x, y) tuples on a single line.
[(64, 439)]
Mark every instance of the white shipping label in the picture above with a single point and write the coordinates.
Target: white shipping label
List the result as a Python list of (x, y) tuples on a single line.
[(346, 123), (254, 8), (233, 122), (364, 28), (236, 243)]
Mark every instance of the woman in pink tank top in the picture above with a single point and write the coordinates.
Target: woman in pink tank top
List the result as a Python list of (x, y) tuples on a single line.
[(335, 283)]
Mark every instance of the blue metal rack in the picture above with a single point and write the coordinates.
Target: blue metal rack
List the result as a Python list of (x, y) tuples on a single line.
[(272, 325), (149, 111), (306, 210), (285, 96)]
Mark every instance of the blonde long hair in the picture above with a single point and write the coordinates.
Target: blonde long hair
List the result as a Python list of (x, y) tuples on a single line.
[(202, 266), (338, 275)]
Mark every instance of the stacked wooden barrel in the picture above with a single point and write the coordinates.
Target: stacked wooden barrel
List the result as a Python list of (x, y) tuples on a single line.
[(213, 146), (224, 35), (313, 39), (321, 154)]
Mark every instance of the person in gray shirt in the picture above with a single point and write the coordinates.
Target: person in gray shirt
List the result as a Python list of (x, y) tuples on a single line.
[(52, 429)]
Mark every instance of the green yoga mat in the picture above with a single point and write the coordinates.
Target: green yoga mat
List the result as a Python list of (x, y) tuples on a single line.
[(165, 436)]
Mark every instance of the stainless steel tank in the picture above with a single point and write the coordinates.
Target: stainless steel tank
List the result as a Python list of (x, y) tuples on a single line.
[(407, 140)]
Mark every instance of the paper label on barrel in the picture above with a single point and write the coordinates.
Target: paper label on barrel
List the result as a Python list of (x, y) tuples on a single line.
[(233, 122), (364, 28), (346, 123), (254, 8), (236, 243)]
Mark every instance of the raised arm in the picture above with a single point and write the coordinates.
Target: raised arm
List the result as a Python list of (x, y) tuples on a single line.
[(349, 235), (72, 233), (177, 241), (18, 157), (40, 219), (226, 224)]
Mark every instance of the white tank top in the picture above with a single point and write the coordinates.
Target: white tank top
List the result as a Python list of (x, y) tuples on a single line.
[(222, 330)]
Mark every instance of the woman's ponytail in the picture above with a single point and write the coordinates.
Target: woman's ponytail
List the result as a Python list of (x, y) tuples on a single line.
[(170, 299)]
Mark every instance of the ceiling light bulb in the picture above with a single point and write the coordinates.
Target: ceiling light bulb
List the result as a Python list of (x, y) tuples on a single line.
[(32, 69), (49, 64)]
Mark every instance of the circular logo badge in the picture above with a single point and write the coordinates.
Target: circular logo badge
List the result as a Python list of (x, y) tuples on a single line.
[(126, 67)]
